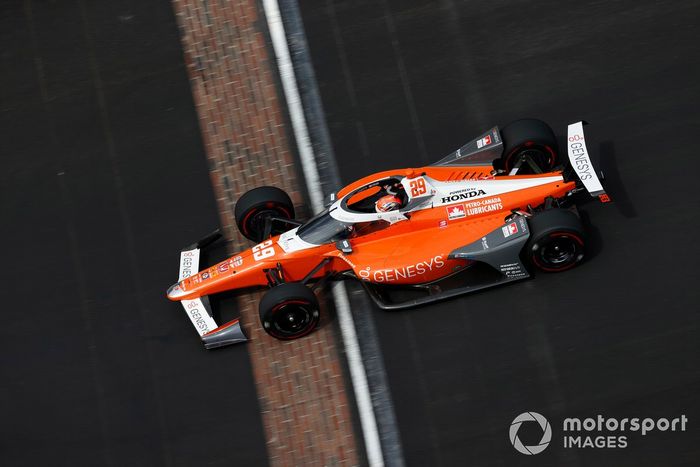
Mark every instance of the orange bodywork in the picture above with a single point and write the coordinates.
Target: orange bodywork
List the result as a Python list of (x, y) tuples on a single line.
[(412, 251)]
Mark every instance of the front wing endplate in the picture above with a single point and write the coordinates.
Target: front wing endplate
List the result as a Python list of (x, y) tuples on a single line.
[(199, 311)]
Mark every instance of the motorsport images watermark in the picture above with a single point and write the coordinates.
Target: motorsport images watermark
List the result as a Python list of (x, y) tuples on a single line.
[(593, 432), (546, 433)]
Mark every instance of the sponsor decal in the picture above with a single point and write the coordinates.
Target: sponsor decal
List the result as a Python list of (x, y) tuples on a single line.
[(442, 224), (405, 272), (509, 229), (484, 243), (196, 316), (455, 196), (485, 141), (186, 266), (523, 224), (463, 190), (512, 270), (236, 261), (474, 208), (205, 275), (455, 212), (347, 260), (223, 267), (188, 262), (581, 162)]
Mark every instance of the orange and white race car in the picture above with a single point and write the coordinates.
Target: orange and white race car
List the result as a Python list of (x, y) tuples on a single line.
[(487, 214)]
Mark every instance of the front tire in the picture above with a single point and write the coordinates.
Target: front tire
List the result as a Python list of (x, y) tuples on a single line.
[(557, 240), (289, 311), (255, 206), (531, 139)]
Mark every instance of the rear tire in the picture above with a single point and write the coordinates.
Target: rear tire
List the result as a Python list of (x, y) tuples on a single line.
[(531, 138), (257, 205), (557, 240), (289, 311)]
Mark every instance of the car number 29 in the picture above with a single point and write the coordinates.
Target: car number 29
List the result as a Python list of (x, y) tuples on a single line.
[(418, 187), (263, 250)]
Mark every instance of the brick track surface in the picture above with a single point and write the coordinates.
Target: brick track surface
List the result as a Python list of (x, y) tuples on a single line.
[(300, 384)]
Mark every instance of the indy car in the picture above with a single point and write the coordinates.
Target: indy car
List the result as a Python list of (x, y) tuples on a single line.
[(502, 204)]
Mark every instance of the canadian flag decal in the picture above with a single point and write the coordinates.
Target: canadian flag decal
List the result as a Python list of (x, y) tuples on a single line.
[(510, 229), (485, 141), (456, 212)]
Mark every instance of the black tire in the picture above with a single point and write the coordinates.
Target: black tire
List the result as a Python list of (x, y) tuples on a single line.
[(557, 240), (256, 205), (289, 311), (529, 137)]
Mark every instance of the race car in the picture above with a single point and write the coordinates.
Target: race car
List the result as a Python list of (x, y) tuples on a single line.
[(490, 213)]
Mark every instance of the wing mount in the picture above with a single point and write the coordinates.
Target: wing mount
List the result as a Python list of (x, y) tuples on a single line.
[(479, 151)]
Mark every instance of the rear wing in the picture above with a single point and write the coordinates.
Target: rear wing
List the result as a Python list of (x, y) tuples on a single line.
[(581, 161), (199, 309), (480, 151)]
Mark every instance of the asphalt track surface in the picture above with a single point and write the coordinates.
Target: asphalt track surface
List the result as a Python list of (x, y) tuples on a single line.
[(406, 82), (103, 180)]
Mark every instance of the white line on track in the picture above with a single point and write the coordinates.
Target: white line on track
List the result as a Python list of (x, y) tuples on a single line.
[(340, 296), (296, 111)]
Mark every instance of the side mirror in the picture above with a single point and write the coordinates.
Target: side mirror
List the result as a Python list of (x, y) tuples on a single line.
[(343, 246)]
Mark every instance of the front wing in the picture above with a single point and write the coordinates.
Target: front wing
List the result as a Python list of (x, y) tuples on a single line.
[(199, 311)]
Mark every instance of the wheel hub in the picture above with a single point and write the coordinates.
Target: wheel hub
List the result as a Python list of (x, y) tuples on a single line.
[(559, 251), (293, 318)]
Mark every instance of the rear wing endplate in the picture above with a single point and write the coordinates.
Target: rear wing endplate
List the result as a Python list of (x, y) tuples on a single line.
[(199, 310), (581, 161)]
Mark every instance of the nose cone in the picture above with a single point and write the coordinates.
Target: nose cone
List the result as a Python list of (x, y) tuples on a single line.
[(175, 292)]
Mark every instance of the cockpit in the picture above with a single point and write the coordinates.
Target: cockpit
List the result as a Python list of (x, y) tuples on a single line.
[(380, 196), (362, 211)]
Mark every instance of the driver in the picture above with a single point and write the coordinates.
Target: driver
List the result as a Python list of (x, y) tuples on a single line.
[(391, 200), (387, 203)]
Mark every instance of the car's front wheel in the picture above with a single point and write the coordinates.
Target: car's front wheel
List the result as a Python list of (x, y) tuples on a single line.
[(289, 311), (557, 240)]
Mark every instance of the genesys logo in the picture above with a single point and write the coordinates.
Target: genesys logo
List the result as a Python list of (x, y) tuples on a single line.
[(597, 432)]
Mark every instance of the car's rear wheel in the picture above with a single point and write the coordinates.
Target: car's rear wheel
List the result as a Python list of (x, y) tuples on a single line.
[(529, 140), (256, 206), (557, 240), (289, 311)]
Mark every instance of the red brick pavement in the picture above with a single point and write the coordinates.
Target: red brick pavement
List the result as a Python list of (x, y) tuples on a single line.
[(300, 383)]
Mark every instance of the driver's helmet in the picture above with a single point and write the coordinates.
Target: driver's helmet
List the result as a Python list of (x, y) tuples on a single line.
[(387, 203)]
